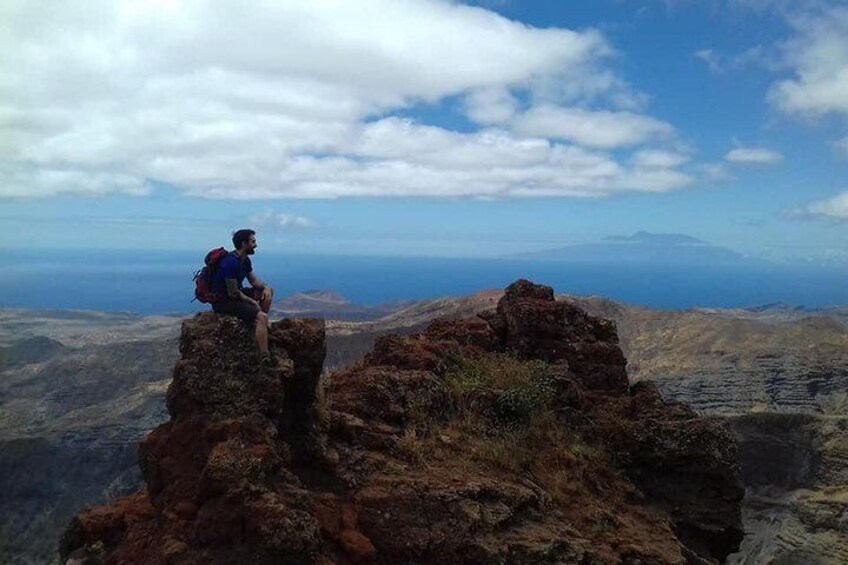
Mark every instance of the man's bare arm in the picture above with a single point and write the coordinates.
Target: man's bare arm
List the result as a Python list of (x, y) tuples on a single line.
[(234, 293), (255, 282)]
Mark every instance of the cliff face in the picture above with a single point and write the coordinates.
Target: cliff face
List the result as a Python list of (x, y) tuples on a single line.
[(732, 362), (796, 469), (71, 415), (511, 436)]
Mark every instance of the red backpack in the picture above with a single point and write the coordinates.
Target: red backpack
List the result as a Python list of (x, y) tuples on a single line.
[(203, 278)]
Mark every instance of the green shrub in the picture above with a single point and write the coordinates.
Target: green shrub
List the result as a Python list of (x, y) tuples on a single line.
[(517, 405), (502, 417), (505, 389)]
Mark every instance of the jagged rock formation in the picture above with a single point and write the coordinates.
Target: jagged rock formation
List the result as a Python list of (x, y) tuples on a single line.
[(226, 434), (405, 461)]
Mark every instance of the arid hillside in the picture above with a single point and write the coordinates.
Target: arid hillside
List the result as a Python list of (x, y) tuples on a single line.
[(80, 389)]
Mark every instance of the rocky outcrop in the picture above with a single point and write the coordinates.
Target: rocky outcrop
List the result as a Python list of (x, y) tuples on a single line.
[(507, 437), (527, 322), (778, 378), (674, 457), (218, 489)]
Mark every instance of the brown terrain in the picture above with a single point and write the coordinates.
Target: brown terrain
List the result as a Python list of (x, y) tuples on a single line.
[(512, 436), (78, 390), (778, 377)]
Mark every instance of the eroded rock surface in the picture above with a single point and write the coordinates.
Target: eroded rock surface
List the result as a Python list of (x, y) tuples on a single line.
[(796, 469), (508, 437)]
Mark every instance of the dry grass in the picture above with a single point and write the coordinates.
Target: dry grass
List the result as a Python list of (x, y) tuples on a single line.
[(503, 417), (495, 371), (545, 452), (575, 476), (508, 390)]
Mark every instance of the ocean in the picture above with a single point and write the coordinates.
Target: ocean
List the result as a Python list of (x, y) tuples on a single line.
[(148, 282)]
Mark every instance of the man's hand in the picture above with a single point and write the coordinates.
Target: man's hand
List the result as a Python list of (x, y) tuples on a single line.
[(266, 293), (250, 299)]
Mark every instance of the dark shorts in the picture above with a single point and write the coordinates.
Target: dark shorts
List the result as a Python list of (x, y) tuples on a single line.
[(246, 311)]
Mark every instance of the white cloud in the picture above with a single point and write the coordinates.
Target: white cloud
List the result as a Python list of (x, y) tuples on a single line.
[(395, 157), (273, 219), (17, 182), (405, 140), (282, 99), (753, 155), (815, 55), (818, 56), (654, 158), (490, 106), (592, 128), (835, 208)]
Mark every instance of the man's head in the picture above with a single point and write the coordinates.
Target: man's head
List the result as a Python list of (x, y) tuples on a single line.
[(245, 240)]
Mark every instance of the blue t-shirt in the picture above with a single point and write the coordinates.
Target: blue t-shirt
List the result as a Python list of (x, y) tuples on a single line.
[(231, 267)]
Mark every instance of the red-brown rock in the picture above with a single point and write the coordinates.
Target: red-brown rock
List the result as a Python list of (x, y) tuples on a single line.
[(257, 466), (535, 326)]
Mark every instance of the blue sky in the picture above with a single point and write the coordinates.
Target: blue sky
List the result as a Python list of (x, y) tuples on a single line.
[(425, 127)]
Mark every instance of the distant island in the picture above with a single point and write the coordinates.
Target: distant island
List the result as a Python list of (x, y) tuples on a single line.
[(645, 247)]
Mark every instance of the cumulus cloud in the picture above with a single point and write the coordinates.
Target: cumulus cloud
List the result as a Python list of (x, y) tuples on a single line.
[(815, 57), (600, 128), (273, 219), (653, 158), (818, 57), (300, 99), (490, 106), (835, 208), (753, 155), (402, 158)]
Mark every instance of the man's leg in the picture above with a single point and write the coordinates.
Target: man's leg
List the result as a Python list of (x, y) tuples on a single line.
[(266, 304), (262, 332)]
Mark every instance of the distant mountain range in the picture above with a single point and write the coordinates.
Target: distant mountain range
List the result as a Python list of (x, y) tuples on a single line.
[(644, 247)]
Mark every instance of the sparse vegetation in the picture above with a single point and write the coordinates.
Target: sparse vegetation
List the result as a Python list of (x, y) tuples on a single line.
[(412, 446), (503, 415), (508, 390)]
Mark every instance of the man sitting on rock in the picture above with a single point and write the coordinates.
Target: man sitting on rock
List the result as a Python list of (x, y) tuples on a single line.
[(250, 304)]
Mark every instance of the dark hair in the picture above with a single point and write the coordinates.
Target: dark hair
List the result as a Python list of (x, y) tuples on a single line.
[(241, 236)]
